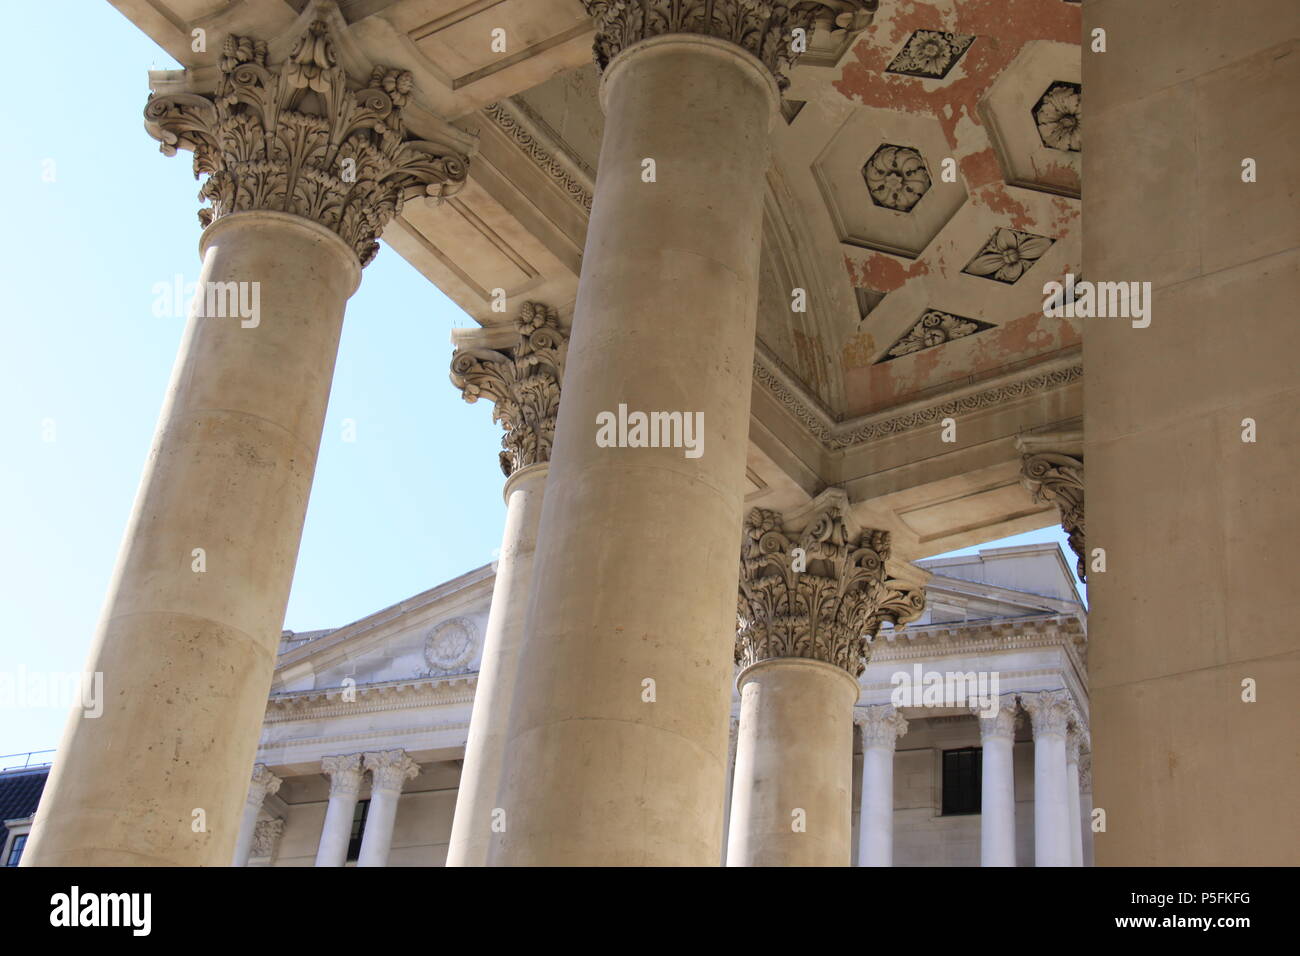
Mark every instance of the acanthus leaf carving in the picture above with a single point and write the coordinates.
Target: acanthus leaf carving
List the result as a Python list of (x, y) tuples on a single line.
[(764, 28), (827, 610), (1058, 479), (301, 138), (523, 383)]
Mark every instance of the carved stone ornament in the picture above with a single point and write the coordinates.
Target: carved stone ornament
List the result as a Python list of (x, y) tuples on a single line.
[(825, 611), (1058, 479), (301, 138), (263, 784), (450, 646), (390, 769), (523, 382), (932, 329), (266, 834), (1050, 712), (764, 28), (881, 726), (930, 54), (345, 772)]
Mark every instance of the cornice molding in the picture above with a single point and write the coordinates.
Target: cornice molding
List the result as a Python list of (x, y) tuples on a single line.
[(371, 698), (840, 436), (546, 153)]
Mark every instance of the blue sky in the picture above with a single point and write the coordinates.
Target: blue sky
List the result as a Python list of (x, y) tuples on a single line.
[(413, 501)]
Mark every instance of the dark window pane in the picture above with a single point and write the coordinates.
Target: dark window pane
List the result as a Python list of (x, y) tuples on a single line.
[(16, 850), (358, 828), (961, 780)]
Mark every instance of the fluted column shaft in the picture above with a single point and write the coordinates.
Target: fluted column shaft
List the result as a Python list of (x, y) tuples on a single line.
[(1050, 712), (636, 568), (264, 783), (881, 727), (389, 770), (476, 800), (998, 785), (345, 773), (187, 654)]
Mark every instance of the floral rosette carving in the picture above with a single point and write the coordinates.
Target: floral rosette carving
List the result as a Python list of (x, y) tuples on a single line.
[(299, 139)]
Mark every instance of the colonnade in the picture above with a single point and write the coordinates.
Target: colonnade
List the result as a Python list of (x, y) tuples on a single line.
[(1059, 738), (618, 587), (389, 770)]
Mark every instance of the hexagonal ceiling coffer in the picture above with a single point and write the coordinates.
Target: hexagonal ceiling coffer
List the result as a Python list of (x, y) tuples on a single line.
[(896, 177), (930, 54), (1059, 116), (1008, 254)]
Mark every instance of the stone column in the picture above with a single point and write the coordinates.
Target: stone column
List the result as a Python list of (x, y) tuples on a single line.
[(389, 769), (998, 784), (345, 774), (1050, 713), (1085, 806), (523, 381), (635, 574), (881, 727), (264, 783), (807, 604), (302, 175), (1073, 742), (1193, 428), (731, 780)]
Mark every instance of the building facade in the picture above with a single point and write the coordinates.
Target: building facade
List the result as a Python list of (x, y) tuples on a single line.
[(379, 711)]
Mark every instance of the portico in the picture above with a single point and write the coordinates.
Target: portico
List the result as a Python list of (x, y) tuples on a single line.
[(807, 242)]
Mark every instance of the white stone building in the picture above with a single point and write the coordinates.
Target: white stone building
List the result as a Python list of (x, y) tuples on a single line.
[(399, 685)]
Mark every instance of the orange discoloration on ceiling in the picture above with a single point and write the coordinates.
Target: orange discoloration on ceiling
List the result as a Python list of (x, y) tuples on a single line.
[(1000, 27), (1062, 175), (810, 359), (858, 351), (883, 272), (980, 168), (996, 198)]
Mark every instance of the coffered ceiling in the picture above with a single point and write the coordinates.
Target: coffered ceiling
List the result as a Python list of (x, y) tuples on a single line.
[(925, 185)]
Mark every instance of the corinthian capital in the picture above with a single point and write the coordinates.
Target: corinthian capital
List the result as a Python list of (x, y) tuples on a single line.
[(764, 28), (390, 769), (522, 379), (303, 137), (345, 774), (881, 726), (819, 594), (1058, 479), (1050, 711), (263, 784)]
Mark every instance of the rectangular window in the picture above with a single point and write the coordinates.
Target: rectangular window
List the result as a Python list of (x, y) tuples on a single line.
[(358, 829), (961, 780), (16, 850)]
